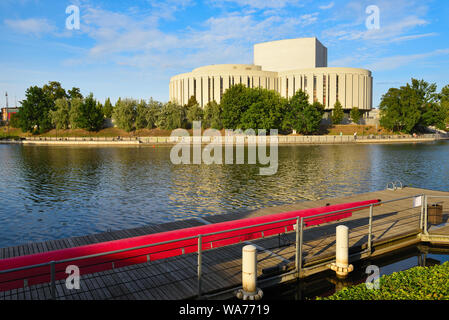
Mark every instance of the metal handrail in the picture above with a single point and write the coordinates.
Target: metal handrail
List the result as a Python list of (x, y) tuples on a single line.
[(299, 223), (195, 237)]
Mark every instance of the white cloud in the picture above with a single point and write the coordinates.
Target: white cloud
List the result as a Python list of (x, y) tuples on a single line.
[(30, 26), (327, 7), (262, 4), (394, 62)]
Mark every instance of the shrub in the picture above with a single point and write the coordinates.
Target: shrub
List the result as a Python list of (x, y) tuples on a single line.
[(419, 283)]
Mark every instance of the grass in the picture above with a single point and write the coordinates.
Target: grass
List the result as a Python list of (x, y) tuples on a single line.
[(419, 283), (349, 129), (115, 132)]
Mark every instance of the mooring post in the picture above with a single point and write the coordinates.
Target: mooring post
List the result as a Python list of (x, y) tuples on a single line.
[(341, 265), (199, 264), (249, 289)]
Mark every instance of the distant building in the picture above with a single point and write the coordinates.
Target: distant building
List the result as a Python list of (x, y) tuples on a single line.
[(285, 66), (8, 112)]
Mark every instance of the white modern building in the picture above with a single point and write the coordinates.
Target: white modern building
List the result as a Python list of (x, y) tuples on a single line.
[(285, 66)]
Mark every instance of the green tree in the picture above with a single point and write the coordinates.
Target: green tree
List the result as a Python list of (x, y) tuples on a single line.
[(400, 110), (14, 121), (124, 114), (266, 110), (444, 104), (34, 113), (108, 108), (194, 113), (74, 93), (234, 103), (412, 107), (212, 116), (141, 115), (355, 115), (76, 105), (154, 108), (91, 116), (302, 116), (55, 91), (60, 117), (172, 116), (192, 102), (337, 113)]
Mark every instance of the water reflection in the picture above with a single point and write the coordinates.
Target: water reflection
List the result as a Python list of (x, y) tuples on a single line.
[(55, 192)]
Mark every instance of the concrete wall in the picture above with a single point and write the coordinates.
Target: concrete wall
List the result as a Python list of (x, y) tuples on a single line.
[(284, 66), (354, 88), (290, 54)]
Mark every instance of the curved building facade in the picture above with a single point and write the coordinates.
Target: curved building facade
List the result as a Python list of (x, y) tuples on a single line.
[(284, 66)]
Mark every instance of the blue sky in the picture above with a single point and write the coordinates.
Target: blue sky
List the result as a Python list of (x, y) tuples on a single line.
[(132, 48)]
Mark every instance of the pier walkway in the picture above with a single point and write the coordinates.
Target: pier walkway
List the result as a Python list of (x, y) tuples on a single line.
[(393, 225)]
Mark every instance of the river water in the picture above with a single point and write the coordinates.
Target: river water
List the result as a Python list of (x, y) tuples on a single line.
[(53, 192)]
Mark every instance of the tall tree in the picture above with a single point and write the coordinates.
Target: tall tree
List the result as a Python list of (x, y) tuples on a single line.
[(60, 117), (108, 108), (337, 113), (34, 113), (194, 113), (172, 116), (212, 116), (265, 111), (355, 115), (154, 108), (235, 101), (88, 115), (124, 114), (55, 91), (74, 93), (141, 115), (302, 116)]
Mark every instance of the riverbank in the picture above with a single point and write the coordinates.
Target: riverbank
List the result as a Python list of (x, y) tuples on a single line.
[(282, 140)]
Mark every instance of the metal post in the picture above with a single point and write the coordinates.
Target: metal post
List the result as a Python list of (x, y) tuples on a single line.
[(421, 217), (301, 236), (370, 228), (53, 280), (425, 215), (199, 264), (297, 246)]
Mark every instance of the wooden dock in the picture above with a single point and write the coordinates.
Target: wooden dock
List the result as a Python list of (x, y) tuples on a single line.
[(395, 225)]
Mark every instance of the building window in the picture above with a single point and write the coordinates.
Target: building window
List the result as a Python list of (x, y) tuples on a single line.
[(221, 88), (286, 87), (201, 92), (194, 88), (208, 89), (324, 90), (305, 83), (249, 82), (336, 86), (314, 88), (294, 85)]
